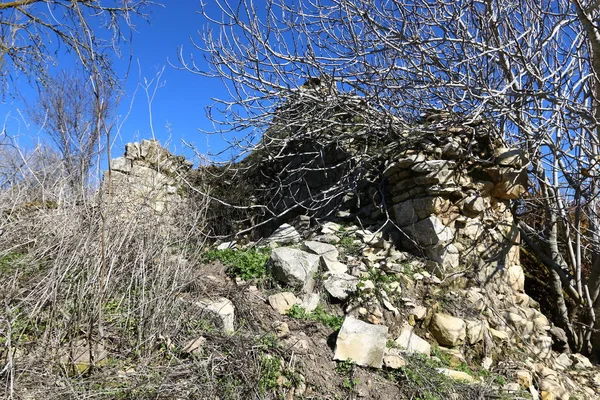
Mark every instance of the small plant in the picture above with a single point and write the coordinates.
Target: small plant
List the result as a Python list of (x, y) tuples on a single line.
[(247, 264), (346, 368), (349, 246), (270, 368), (318, 315)]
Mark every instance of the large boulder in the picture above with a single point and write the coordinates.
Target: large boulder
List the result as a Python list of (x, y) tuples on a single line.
[(294, 267), (361, 342), (448, 330)]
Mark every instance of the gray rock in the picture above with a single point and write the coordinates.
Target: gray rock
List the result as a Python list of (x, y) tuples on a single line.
[(310, 301), (294, 267), (430, 231), (327, 251), (341, 285), (361, 342), (121, 164), (285, 234), (515, 158), (219, 310), (446, 255), (433, 166), (195, 346)]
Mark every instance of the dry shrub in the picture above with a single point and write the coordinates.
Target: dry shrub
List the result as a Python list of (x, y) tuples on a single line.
[(86, 275)]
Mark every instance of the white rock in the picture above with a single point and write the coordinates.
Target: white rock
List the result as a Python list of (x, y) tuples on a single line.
[(412, 343), (448, 330), (524, 378), (294, 267), (121, 164), (581, 362), (456, 375), (562, 362), (475, 331), (543, 346), (282, 302), (325, 250), (419, 312), (285, 234), (445, 254), (515, 277), (361, 342), (340, 286), (486, 363), (330, 227), (219, 310), (394, 361), (310, 301), (335, 267), (226, 245)]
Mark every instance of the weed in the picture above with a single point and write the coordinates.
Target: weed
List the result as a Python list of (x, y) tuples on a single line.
[(349, 246), (270, 368), (319, 315), (247, 264), (346, 368)]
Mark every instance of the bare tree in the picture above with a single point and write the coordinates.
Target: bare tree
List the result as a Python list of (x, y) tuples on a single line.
[(67, 110), (33, 32), (531, 67)]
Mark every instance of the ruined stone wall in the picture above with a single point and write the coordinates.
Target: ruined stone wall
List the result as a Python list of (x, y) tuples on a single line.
[(147, 179), (456, 210)]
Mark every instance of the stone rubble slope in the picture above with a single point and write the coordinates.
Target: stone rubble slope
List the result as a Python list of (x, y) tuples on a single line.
[(393, 307)]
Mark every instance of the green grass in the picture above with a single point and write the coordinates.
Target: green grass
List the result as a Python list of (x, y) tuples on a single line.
[(246, 264), (319, 315)]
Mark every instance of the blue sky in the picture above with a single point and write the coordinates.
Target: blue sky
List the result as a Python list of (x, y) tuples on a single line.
[(180, 98)]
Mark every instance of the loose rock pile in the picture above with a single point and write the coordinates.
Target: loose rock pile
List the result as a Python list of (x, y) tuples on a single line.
[(394, 308)]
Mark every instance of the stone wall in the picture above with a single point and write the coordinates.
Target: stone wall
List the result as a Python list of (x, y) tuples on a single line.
[(455, 210), (146, 179)]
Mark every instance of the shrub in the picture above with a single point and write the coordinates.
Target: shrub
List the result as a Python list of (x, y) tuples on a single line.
[(246, 264)]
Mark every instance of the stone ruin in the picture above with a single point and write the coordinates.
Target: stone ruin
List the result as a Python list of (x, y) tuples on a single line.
[(147, 179)]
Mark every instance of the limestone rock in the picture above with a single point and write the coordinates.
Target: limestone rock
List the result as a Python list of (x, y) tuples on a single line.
[(78, 358), (282, 302), (475, 331), (325, 250), (447, 255), (310, 301), (456, 375), (294, 267), (581, 362), (430, 231), (447, 330), (219, 310), (562, 362), (335, 267), (515, 277), (394, 361), (524, 378), (515, 158), (361, 342), (285, 234), (341, 285), (195, 346), (412, 343), (512, 184)]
